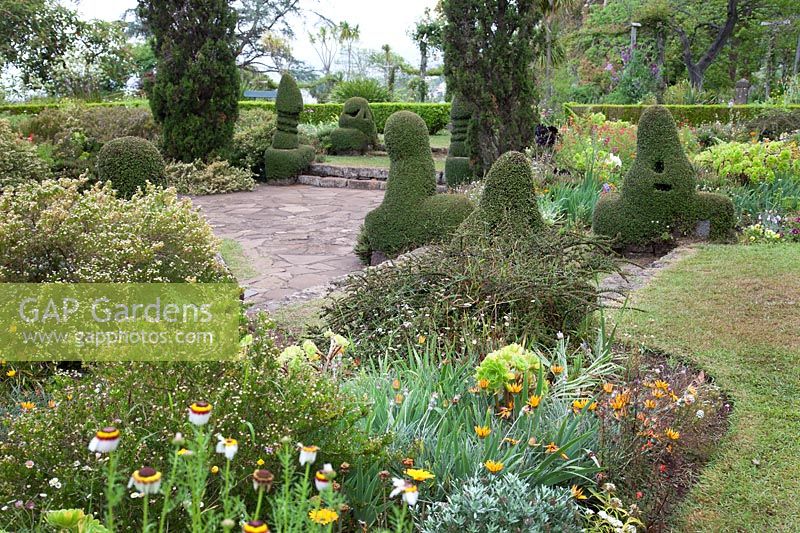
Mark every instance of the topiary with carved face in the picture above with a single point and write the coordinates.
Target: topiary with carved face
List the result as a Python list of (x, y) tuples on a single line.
[(358, 116)]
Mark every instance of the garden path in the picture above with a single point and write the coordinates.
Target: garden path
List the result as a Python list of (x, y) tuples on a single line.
[(298, 238)]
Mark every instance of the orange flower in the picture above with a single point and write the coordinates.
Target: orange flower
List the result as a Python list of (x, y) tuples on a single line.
[(514, 388), (27, 406), (577, 492), (672, 434), (556, 369), (649, 404), (578, 405), (398, 399), (493, 466), (396, 384), (511, 441), (482, 431), (658, 393), (506, 411), (483, 384), (608, 388), (551, 448), (533, 401), (661, 384), (619, 401)]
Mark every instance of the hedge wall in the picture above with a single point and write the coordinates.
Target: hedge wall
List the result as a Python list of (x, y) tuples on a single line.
[(683, 114), (436, 116)]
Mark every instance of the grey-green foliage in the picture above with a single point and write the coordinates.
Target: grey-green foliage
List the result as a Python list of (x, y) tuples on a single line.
[(504, 504)]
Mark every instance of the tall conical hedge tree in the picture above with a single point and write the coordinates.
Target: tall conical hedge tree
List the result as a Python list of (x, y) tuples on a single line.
[(196, 89)]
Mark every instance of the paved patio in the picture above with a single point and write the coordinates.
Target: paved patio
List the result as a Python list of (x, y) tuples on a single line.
[(298, 238)]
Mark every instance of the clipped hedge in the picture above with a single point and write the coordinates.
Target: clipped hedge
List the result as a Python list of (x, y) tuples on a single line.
[(436, 116), (689, 114)]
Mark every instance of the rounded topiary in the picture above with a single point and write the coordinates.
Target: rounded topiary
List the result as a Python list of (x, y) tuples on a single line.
[(357, 131), (412, 214), (508, 207), (129, 163), (287, 157), (658, 197)]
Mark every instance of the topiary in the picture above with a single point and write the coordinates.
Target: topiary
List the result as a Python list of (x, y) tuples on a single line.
[(287, 157), (411, 213), (508, 206), (356, 131), (658, 197), (457, 167), (129, 163)]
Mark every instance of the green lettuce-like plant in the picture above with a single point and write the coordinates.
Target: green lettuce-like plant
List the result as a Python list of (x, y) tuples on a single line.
[(505, 364)]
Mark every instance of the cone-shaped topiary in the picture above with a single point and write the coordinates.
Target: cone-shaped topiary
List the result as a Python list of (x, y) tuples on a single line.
[(658, 197), (457, 167), (287, 157), (412, 214), (508, 207), (129, 163), (356, 131)]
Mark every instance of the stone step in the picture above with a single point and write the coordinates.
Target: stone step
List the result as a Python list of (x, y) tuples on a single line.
[(355, 173), (361, 184)]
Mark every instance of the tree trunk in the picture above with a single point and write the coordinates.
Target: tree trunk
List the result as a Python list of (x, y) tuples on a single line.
[(423, 71), (661, 45), (697, 69), (796, 57)]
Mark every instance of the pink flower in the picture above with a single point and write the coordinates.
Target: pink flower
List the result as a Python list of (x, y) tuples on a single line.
[(28, 464)]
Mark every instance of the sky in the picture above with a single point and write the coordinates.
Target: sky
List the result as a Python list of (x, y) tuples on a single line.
[(380, 22)]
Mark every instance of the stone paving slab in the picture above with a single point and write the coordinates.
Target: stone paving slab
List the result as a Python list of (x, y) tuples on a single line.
[(297, 237)]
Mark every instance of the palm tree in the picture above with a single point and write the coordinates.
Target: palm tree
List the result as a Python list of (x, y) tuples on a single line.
[(349, 34)]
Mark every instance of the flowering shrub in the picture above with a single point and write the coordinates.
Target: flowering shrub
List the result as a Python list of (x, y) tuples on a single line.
[(19, 162), (217, 177), (61, 231), (497, 504), (590, 144), (655, 426), (773, 228), (751, 162), (257, 404)]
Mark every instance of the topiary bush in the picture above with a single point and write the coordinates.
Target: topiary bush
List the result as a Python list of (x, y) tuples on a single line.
[(411, 213), (19, 161), (356, 131), (286, 158), (508, 206), (217, 177), (457, 167), (658, 197), (62, 231), (129, 163)]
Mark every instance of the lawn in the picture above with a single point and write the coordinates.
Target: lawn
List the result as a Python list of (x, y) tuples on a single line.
[(369, 161), (734, 311)]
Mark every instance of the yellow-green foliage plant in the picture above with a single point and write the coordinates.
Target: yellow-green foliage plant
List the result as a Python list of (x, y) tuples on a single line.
[(658, 198), (287, 157), (356, 131), (412, 214), (457, 167)]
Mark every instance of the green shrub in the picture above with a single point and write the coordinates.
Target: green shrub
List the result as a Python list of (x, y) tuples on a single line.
[(287, 157), (482, 291), (129, 163), (658, 197), (508, 207), (410, 214), (251, 138), (365, 88), (774, 123), (62, 231), (19, 161), (199, 178), (752, 162), (356, 132), (318, 135), (195, 92), (504, 503), (457, 169), (690, 114)]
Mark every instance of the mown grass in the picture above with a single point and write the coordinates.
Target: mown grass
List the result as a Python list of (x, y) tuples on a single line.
[(234, 256), (734, 311), (369, 161)]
